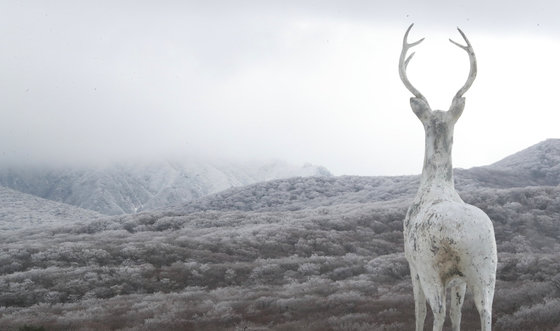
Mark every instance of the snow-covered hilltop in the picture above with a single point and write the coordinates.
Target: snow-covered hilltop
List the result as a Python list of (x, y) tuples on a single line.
[(540, 162), (129, 188), (20, 210), (528, 167), (132, 187)]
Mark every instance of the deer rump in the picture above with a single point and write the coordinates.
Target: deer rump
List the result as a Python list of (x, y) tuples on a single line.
[(451, 240)]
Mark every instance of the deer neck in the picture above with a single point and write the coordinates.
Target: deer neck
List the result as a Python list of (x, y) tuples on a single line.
[(437, 172), (436, 182)]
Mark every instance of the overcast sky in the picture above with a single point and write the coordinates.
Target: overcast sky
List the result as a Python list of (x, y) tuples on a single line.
[(300, 81)]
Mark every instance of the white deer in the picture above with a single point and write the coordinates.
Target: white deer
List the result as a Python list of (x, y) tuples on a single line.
[(448, 243)]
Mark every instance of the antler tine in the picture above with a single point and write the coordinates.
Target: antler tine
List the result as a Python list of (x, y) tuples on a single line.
[(472, 59), (403, 64)]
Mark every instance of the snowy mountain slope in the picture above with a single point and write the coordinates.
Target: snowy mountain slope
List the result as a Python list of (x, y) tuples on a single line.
[(536, 166), (130, 188), (133, 187), (306, 192), (339, 267), (540, 162), (317, 253), (19, 210), (545, 154)]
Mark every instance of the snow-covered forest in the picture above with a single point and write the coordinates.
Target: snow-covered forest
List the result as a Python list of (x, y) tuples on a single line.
[(130, 187), (304, 253)]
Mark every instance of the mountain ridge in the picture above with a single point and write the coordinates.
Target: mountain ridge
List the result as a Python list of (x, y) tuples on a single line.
[(301, 193), (127, 188), (540, 162), (20, 210), (196, 185)]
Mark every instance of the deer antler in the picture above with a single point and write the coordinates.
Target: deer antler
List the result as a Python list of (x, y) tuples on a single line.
[(472, 59), (404, 63)]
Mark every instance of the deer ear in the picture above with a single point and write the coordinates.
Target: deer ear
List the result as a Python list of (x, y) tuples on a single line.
[(457, 107), (420, 108)]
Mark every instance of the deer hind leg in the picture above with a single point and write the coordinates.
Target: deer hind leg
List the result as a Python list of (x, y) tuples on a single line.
[(457, 299), (483, 294), (435, 293), (419, 299)]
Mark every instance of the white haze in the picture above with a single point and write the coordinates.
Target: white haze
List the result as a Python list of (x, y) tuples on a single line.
[(312, 81)]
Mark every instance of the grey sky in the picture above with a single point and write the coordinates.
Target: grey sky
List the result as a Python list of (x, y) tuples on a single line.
[(303, 81)]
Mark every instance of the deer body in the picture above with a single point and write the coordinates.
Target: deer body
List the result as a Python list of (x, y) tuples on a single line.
[(448, 243)]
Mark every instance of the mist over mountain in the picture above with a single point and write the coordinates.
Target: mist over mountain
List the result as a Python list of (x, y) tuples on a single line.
[(538, 165), (305, 253), (133, 187)]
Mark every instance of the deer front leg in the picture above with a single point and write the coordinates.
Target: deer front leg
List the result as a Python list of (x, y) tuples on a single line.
[(419, 299)]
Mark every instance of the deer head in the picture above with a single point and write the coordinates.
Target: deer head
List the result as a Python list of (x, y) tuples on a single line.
[(438, 125)]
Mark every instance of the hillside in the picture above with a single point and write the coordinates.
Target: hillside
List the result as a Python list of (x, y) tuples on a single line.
[(338, 267), (19, 210), (535, 166), (134, 187), (303, 193), (540, 162), (317, 253)]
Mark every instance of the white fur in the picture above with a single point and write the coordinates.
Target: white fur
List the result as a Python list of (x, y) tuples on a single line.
[(448, 244)]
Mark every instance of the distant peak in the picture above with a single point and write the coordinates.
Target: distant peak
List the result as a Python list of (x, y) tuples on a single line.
[(540, 161), (550, 141)]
